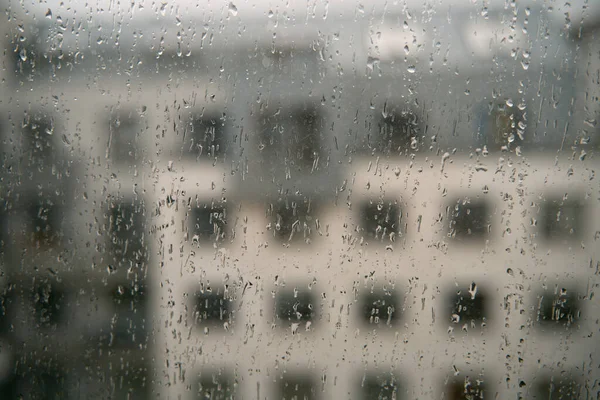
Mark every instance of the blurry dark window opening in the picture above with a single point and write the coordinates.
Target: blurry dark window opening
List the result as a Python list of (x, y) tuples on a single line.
[(297, 387), (49, 304), (469, 219), (469, 307), (209, 222), (507, 126), (293, 134), (124, 138), (295, 306), (293, 218), (562, 308), (562, 219), (211, 307), (469, 389), (380, 387), (126, 229), (380, 307), (216, 386), (381, 220), (397, 133), (205, 137)]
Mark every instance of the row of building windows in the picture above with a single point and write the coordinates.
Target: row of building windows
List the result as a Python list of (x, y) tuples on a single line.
[(372, 386), (293, 133), (465, 309), (119, 313), (125, 317), (289, 220), (52, 381)]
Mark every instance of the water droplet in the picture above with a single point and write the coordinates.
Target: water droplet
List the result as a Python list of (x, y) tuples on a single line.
[(406, 50), (233, 9), (411, 69), (49, 14)]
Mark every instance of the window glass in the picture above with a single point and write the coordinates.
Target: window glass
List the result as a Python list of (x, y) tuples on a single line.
[(292, 199)]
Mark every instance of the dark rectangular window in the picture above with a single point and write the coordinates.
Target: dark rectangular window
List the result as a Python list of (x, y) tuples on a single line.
[(469, 219), (126, 230), (49, 304), (204, 137), (562, 219), (507, 127), (35, 382), (467, 389), (295, 306), (561, 309), (208, 222), (397, 133), (381, 220), (380, 387), (380, 307), (124, 137), (129, 326), (212, 308), (469, 307), (292, 135), (39, 143), (559, 387), (44, 218), (215, 386), (297, 387), (7, 311), (293, 219)]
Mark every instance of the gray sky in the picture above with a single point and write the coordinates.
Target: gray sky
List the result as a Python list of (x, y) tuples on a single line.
[(152, 10)]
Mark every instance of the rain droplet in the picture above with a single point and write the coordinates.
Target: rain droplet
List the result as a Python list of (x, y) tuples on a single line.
[(233, 9), (411, 69), (49, 14)]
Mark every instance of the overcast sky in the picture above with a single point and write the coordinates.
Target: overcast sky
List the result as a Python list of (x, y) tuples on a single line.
[(149, 10)]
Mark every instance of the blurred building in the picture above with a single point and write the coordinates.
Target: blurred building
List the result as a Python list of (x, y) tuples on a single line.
[(376, 203)]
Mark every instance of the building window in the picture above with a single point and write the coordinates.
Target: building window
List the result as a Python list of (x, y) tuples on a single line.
[(292, 135), (469, 219), (7, 312), (380, 308), (469, 307), (126, 230), (208, 222), (217, 385), (558, 309), (295, 306), (44, 218), (467, 389), (507, 127), (559, 387), (397, 133), (49, 304), (39, 140), (128, 324), (380, 387), (562, 219), (212, 308), (381, 220), (297, 387), (204, 137), (123, 138), (293, 219), (35, 382)]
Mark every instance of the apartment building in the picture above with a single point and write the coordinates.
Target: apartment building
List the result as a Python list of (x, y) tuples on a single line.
[(278, 208)]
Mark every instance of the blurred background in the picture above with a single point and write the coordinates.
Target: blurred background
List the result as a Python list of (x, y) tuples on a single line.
[(299, 200)]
